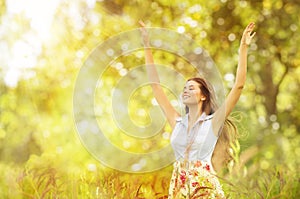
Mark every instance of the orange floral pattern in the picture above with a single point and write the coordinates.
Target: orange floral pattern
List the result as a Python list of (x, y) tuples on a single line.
[(194, 179)]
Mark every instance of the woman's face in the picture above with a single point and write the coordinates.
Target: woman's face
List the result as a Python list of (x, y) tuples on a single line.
[(192, 93)]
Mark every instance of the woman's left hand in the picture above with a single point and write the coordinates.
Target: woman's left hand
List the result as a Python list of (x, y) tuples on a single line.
[(248, 34)]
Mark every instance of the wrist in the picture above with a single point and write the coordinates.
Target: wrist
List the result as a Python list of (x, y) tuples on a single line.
[(244, 44), (146, 43)]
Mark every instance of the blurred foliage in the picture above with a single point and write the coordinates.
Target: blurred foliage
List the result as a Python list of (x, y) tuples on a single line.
[(43, 45)]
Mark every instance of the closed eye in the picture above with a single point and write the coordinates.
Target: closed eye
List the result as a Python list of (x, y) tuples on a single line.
[(191, 87)]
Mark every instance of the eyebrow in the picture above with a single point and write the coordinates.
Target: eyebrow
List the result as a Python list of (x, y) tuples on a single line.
[(189, 86)]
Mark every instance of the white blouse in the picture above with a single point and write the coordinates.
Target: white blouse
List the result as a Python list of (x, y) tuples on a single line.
[(201, 139)]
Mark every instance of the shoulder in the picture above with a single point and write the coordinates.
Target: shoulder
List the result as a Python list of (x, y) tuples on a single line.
[(182, 120)]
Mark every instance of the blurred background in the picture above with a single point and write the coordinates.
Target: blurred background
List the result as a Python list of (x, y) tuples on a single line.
[(44, 43)]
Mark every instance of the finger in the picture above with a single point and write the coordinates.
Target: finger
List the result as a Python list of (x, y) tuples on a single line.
[(251, 26), (252, 35), (248, 26)]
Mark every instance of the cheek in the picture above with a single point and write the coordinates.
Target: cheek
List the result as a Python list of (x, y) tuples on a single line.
[(196, 93)]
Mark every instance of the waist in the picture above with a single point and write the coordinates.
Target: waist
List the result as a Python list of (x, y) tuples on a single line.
[(194, 164)]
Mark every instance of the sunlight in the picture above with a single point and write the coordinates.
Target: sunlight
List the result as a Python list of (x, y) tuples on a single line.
[(12, 77), (23, 52), (40, 13)]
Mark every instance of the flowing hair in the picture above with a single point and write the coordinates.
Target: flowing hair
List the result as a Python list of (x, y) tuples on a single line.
[(228, 134)]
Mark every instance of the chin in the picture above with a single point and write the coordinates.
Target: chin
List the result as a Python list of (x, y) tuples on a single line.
[(186, 103)]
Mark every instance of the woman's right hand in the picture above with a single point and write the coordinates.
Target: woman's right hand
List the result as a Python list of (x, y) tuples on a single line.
[(145, 35)]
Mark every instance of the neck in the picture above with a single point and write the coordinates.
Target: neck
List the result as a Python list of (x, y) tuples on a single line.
[(195, 112)]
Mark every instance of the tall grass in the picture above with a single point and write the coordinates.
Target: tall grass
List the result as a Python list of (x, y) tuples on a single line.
[(49, 182), (256, 174)]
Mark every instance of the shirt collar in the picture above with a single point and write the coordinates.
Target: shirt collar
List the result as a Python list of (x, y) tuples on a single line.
[(184, 119)]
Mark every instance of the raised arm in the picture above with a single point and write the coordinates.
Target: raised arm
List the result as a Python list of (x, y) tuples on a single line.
[(153, 77), (240, 79)]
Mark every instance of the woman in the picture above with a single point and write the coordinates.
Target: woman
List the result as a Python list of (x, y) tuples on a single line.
[(199, 138)]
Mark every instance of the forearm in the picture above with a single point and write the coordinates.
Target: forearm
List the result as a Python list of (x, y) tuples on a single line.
[(242, 66), (150, 67), (157, 89)]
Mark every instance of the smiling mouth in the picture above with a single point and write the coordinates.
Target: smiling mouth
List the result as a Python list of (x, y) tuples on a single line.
[(185, 96)]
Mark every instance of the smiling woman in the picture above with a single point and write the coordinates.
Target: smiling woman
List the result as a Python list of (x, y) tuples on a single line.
[(200, 142)]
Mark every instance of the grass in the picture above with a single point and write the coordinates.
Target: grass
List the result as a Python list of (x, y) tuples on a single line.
[(263, 176), (49, 182)]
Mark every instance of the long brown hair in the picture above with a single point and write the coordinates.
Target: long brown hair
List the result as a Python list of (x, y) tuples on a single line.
[(222, 153)]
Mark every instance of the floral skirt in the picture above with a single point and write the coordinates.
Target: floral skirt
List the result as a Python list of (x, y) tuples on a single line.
[(194, 179)]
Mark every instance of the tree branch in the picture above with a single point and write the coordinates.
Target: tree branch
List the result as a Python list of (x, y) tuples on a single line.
[(287, 66)]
